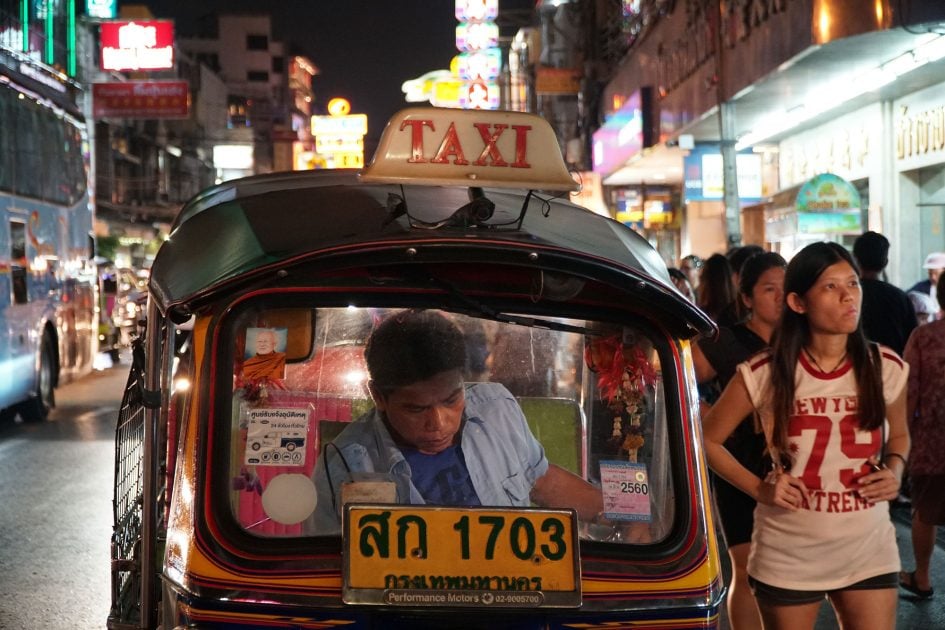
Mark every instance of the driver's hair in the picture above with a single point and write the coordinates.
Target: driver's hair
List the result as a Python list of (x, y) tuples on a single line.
[(411, 346)]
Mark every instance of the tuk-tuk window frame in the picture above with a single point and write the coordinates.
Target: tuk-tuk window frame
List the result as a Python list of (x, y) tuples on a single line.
[(330, 298)]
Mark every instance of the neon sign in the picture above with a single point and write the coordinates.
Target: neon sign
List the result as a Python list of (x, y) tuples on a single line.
[(145, 45)]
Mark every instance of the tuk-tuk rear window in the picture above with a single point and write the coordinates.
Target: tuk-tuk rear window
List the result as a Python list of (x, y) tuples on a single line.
[(354, 404)]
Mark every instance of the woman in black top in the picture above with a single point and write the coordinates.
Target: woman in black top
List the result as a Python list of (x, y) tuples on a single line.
[(761, 289)]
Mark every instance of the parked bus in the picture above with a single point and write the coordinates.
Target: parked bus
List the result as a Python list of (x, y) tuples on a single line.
[(48, 332)]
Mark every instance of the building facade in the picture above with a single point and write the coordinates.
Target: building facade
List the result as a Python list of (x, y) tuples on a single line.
[(269, 92), (804, 86)]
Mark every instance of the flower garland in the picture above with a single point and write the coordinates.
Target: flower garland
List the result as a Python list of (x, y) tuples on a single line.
[(623, 374), (256, 391)]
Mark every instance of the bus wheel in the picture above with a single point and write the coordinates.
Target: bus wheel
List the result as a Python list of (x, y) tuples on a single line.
[(37, 408)]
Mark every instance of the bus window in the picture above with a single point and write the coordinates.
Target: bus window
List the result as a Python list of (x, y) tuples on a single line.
[(18, 262), (30, 174), (57, 185)]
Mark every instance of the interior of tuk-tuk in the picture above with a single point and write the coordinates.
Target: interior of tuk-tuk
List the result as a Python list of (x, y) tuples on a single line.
[(293, 376)]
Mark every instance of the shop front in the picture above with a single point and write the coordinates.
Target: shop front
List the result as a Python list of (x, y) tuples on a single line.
[(918, 150), (849, 148), (814, 87), (642, 180), (703, 191)]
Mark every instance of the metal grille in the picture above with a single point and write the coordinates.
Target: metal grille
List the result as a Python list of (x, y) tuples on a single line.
[(128, 498)]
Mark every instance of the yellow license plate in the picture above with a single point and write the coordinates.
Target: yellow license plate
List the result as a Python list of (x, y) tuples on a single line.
[(415, 555)]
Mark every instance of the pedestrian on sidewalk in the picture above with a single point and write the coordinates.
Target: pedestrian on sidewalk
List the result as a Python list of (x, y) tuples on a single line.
[(934, 266), (925, 306), (925, 411), (717, 291), (761, 292), (888, 316), (823, 394)]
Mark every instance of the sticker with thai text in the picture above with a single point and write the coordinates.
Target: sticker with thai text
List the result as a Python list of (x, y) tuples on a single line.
[(626, 490), (276, 436)]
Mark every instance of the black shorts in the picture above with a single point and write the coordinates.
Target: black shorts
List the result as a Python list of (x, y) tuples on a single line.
[(774, 596)]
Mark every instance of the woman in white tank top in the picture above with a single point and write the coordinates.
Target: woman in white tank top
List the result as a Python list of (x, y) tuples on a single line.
[(833, 409)]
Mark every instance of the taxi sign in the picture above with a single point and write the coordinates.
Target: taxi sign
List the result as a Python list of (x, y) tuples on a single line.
[(445, 147), (418, 555)]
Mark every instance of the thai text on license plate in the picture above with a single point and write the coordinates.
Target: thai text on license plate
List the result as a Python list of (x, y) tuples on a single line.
[(440, 556)]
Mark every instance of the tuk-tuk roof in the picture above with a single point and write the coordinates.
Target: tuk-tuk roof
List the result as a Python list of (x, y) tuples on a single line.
[(440, 176)]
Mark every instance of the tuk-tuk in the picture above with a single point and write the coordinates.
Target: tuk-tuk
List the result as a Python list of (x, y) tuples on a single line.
[(252, 371), (119, 307)]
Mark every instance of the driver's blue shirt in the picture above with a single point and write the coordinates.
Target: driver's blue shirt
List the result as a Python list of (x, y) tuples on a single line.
[(502, 456)]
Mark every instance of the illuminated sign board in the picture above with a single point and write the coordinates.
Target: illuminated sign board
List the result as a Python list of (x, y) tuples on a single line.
[(352, 124), (624, 134), (446, 92), (104, 9), (233, 156), (147, 45), (704, 178), (479, 94), (422, 88), (476, 10), (141, 99), (339, 139), (339, 144), (476, 35), (481, 63), (347, 160)]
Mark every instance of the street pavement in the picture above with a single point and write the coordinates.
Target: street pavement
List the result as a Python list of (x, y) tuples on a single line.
[(914, 614)]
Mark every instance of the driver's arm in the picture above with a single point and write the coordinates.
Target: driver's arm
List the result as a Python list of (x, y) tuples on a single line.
[(560, 488)]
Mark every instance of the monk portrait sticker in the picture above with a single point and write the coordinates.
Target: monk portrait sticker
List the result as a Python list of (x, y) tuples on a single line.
[(264, 358)]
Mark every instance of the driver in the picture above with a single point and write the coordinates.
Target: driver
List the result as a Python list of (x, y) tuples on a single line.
[(439, 440)]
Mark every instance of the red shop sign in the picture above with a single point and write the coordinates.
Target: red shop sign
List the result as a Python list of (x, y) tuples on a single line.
[(145, 45), (141, 99)]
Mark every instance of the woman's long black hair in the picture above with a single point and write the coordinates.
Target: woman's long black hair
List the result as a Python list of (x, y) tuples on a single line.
[(716, 288), (794, 334)]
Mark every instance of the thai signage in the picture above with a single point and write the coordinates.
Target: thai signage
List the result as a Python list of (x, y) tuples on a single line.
[(828, 204), (147, 45), (847, 146), (919, 129), (141, 99), (920, 132)]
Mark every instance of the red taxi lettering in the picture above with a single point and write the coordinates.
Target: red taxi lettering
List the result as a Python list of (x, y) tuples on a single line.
[(416, 138), (490, 149), (451, 145), (521, 153)]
